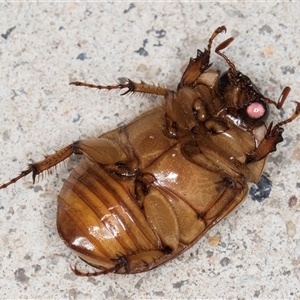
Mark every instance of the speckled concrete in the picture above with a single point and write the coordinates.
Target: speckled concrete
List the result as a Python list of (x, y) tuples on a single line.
[(254, 253)]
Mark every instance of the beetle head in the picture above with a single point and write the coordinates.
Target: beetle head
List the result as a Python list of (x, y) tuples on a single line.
[(242, 98)]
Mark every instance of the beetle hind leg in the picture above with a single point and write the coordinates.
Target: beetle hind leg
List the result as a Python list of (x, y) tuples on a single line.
[(120, 263), (44, 165), (129, 264), (99, 150)]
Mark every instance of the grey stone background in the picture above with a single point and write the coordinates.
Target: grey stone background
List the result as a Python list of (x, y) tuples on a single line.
[(44, 46)]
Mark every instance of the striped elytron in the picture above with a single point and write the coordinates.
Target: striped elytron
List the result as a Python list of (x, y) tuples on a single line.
[(147, 191)]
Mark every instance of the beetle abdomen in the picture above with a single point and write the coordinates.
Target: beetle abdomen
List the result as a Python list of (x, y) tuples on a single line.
[(111, 228), (98, 219)]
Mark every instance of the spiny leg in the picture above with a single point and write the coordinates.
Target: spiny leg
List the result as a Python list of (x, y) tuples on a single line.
[(120, 263), (131, 86), (272, 137), (199, 64), (195, 68), (43, 165), (101, 151)]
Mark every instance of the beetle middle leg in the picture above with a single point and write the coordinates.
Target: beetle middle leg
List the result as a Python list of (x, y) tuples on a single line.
[(131, 86)]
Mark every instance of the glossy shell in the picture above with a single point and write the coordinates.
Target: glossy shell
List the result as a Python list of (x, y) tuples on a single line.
[(167, 192)]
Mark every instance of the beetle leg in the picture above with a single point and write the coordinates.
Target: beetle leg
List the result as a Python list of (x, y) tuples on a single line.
[(129, 264), (113, 157), (131, 86), (41, 166), (272, 138), (227, 203), (102, 151), (90, 274), (206, 158), (200, 64), (120, 263)]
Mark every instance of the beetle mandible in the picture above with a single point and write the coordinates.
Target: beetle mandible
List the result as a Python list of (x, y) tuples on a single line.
[(147, 191)]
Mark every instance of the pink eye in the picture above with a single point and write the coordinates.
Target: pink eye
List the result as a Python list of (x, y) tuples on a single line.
[(256, 110)]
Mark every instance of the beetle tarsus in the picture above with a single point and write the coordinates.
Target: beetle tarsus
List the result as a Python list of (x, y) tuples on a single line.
[(21, 175), (46, 164)]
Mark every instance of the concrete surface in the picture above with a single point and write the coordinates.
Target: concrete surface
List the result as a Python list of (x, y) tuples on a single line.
[(254, 253)]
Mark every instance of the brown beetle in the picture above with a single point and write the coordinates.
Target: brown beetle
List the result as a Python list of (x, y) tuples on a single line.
[(147, 191)]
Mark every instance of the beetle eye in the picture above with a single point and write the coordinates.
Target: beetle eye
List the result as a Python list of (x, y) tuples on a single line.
[(255, 112)]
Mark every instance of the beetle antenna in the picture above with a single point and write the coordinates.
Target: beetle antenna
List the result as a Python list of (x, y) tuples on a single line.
[(293, 117), (283, 96), (215, 33), (222, 46)]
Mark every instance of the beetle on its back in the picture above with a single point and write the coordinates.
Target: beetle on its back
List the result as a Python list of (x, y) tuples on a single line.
[(147, 191)]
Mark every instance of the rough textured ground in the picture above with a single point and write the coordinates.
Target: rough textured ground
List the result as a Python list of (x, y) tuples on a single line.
[(254, 253)]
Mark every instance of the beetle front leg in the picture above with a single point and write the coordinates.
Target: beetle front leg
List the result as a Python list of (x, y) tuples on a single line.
[(200, 64), (272, 138)]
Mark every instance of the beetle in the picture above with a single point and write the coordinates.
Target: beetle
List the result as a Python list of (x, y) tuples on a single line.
[(147, 191)]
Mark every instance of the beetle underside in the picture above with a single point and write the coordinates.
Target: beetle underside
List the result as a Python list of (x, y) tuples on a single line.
[(147, 191)]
